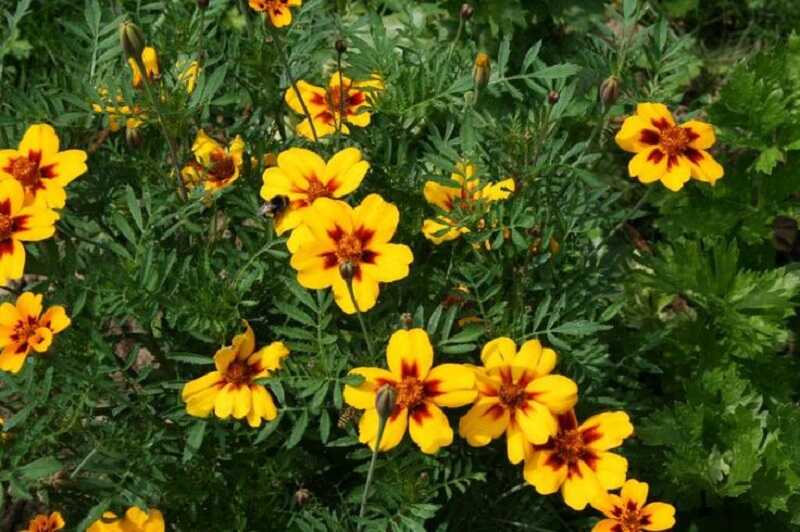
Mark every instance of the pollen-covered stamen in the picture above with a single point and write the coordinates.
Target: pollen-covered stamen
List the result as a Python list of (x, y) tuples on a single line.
[(569, 448), (410, 393), (512, 395), (630, 517), (349, 249), (239, 372), (674, 140), (316, 190), (25, 171), (25, 329), (6, 227)]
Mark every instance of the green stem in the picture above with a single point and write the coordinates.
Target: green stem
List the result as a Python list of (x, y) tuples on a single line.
[(156, 107), (622, 222), (285, 60), (455, 40), (360, 317), (371, 470)]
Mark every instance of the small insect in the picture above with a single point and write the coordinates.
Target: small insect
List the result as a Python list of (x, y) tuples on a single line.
[(275, 207), (347, 417)]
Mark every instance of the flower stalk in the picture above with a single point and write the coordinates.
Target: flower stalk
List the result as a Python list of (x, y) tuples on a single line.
[(347, 271), (385, 401)]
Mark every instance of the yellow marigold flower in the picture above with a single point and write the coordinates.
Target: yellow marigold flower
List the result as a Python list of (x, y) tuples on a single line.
[(231, 389), (278, 10), (189, 74), (466, 197), (39, 166), (20, 224), (627, 511), (214, 165), (517, 396), (421, 390), (135, 520), (666, 151), (326, 105), (576, 460), (46, 523), (23, 328), (302, 176), (151, 66), (339, 234)]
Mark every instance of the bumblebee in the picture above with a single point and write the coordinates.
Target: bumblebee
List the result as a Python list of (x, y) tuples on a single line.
[(275, 207)]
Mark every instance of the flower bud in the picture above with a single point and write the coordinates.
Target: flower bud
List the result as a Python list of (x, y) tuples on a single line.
[(481, 70), (341, 46), (131, 39), (133, 137), (202, 4), (466, 11), (406, 319), (553, 97), (385, 400), (609, 90), (301, 496), (347, 270)]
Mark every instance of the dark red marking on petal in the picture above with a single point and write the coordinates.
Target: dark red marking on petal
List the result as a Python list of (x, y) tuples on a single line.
[(368, 256), (496, 411), (661, 123), (48, 172), (409, 370), (431, 388), (567, 421), (616, 511), (325, 117), (364, 234), (645, 520), (20, 223), (35, 156), (693, 155), (591, 434), (672, 161), (355, 99), (5, 207), (336, 233), (617, 528), (6, 247), (632, 506), (421, 412), (555, 462), (331, 260), (648, 136), (655, 156)]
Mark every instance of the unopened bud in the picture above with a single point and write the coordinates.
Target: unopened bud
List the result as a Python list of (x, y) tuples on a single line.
[(347, 270), (385, 400), (301, 496), (341, 46), (202, 4), (466, 11), (481, 70), (553, 97), (133, 137), (131, 39), (609, 90), (406, 319)]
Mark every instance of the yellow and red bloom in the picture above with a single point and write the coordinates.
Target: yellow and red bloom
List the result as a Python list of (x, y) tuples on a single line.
[(421, 390), (189, 74), (134, 520), (20, 224), (338, 234), (23, 328), (46, 523), (278, 10), (231, 389), (348, 102), (39, 166), (466, 197), (576, 460), (302, 176), (517, 396), (151, 66), (666, 151), (215, 166), (627, 512)]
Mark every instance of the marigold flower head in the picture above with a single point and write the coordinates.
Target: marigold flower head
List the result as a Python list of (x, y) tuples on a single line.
[(337, 106), (20, 224), (667, 151), (232, 389), (277, 10), (151, 66), (466, 197), (627, 512), (41, 169), (23, 328), (134, 520), (576, 460), (336, 233), (517, 396), (302, 176), (215, 166), (421, 390), (46, 523)]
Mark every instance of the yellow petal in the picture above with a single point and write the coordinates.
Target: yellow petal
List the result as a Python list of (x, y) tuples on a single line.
[(302, 235), (9, 315), (580, 487), (635, 491), (313, 96), (390, 263), (484, 422), (409, 353), (280, 16), (429, 428), (533, 358), (29, 305), (67, 165), (263, 404), (223, 405), (648, 165), (11, 190), (610, 469), (242, 402), (536, 422), (392, 434), (704, 167), (606, 525), (11, 361), (39, 138), (201, 402), (655, 113), (703, 133), (451, 385), (244, 343), (661, 516), (41, 339), (299, 165), (438, 232), (498, 191), (271, 356), (378, 216), (365, 290), (12, 261), (631, 138), (558, 393), (346, 169), (440, 195), (546, 475), (607, 430), (363, 395), (516, 443), (678, 173), (55, 319), (500, 352)]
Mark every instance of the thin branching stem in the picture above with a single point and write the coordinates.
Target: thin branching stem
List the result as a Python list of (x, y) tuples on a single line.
[(367, 338), (371, 470)]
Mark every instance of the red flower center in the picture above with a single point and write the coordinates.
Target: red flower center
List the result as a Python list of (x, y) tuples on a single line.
[(25, 171), (6, 227), (349, 249), (674, 140), (512, 395), (334, 97), (570, 447), (222, 166), (239, 372), (24, 329), (410, 392), (630, 517)]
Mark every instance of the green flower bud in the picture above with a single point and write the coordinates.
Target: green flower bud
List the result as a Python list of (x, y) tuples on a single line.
[(347, 270), (131, 39), (385, 400), (609, 91)]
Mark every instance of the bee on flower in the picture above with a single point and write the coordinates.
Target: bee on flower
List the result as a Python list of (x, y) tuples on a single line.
[(152, 68), (23, 328), (420, 392), (466, 197), (214, 165), (627, 512), (343, 244), (46, 523), (577, 461), (666, 151), (134, 520), (302, 177), (518, 396), (41, 168), (345, 102), (277, 10), (231, 390)]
